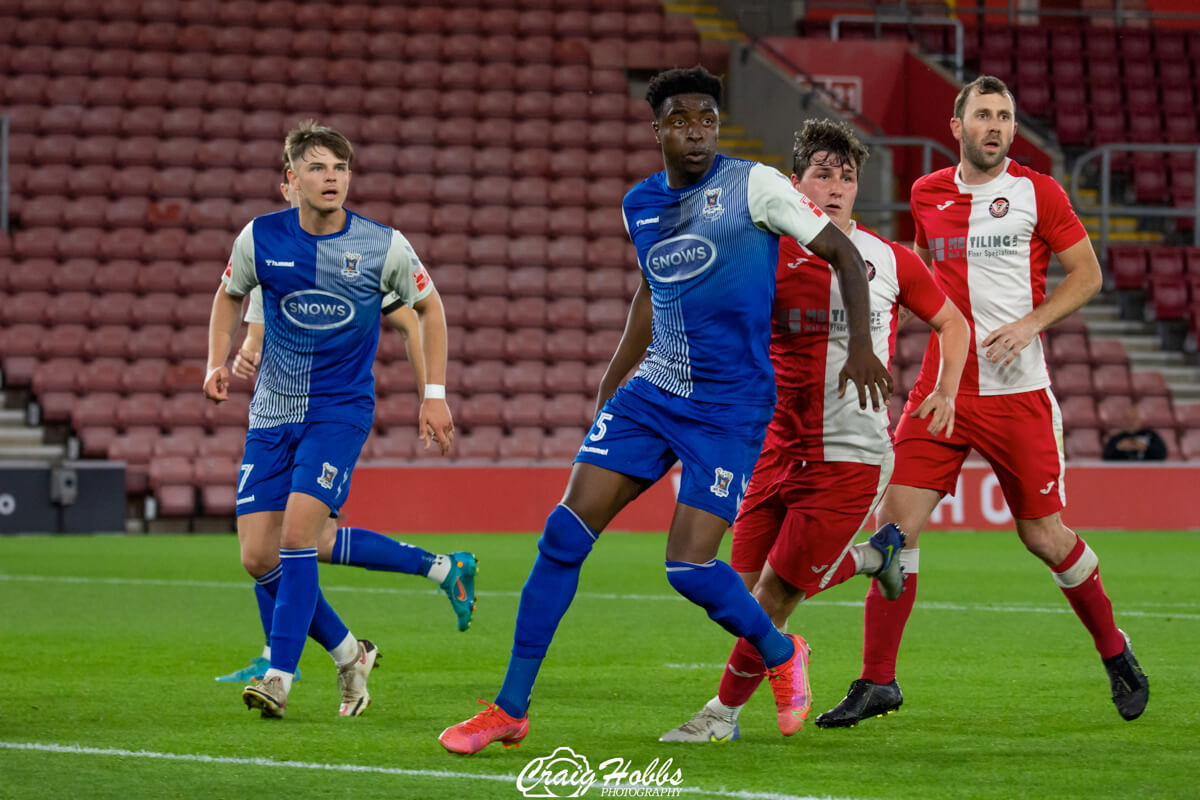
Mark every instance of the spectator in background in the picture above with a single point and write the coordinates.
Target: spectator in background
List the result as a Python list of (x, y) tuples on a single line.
[(1134, 442)]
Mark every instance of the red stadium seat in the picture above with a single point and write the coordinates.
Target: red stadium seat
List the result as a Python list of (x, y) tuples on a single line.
[(524, 282), (525, 312), (484, 377), (63, 340), (567, 377), (1127, 266), (482, 410), (144, 408), (1156, 412), (1111, 379), (188, 409), (1149, 384), (525, 343), (1083, 444), (523, 444), (1072, 379), (569, 411), (1110, 410), (1107, 351)]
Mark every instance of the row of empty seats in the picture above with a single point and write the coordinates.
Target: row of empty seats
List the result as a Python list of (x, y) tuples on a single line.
[(303, 26)]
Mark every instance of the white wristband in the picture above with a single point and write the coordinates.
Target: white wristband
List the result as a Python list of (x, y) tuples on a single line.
[(435, 391)]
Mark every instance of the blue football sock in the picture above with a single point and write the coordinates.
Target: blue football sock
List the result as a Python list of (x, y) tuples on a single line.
[(716, 588), (265, 588), (327, 629), (295, 601), (547, 594), (359, 547)]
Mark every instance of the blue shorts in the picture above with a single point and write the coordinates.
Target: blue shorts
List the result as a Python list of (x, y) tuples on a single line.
[(313, 458), (642, 430)]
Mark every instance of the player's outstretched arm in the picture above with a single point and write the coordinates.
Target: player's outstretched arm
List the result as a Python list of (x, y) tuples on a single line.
[(222, 324), (862, 368), (404, 319), (435, 421), (635, 339), (245, 363), (953, 339), (1083, 280)]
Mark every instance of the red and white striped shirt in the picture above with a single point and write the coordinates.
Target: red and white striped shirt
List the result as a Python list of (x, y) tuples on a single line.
[(991, 245), (810, 342)]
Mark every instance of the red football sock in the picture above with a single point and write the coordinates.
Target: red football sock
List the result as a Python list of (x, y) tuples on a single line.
[(744, 672), (883, 627), (1079, 578)]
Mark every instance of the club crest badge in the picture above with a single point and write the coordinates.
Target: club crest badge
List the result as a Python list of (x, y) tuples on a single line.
[(328, 473), (713, 209), (722, 479), (870, 270), (999, 207), (350, 270)]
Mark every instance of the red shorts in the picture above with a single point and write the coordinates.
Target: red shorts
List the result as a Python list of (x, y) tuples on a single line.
[(1020, 435), (802, 516)]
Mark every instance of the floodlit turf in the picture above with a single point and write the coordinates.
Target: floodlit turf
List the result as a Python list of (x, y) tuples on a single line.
[(109, 645)]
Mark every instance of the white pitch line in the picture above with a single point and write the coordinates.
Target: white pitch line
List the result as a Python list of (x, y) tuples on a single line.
[(74, 749), (1122, 611)]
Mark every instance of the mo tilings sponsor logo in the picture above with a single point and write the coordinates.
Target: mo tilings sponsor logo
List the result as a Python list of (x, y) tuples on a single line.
[(316, 310), (680, 257)]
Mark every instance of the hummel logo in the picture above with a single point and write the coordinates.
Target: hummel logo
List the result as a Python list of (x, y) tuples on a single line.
[(647, 221), (273, 263), (945, 205), (1049, 486)]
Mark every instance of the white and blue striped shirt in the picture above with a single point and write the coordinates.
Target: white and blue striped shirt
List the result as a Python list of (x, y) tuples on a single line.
[(321, 307)]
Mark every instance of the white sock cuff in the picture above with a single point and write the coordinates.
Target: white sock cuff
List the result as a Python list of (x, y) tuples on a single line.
[(286, 677), (910, 559), (729, 712), (1078, 572), (266, 653), (345, 652), (439, 569)]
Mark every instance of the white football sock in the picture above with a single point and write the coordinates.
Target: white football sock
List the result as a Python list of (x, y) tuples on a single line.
[(729, 713), (867, 560), (345, 652), (286, 677), (266, 653), (439, 569)]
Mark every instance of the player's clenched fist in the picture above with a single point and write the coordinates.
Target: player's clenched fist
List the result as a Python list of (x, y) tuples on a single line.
[(216, 384)]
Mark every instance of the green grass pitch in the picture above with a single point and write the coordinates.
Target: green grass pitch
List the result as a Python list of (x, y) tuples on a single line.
[(109, 645)]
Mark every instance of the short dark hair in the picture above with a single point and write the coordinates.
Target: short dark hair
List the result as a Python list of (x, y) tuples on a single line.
[(287, 165), (693, 80), (984, 84), (309, 134), (835, 137)]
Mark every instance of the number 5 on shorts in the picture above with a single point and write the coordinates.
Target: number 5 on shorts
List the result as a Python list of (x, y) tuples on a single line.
[(245, 474), (601, 428)]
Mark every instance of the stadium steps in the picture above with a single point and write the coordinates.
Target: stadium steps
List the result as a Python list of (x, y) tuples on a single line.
[(709, 21), (21, 442), (1122, 230), (1142, 343)]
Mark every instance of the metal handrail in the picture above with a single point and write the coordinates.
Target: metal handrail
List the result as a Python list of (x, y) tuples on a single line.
[(927, 147), (3, 173), (1107, 210), (860, 119), (906, 19)]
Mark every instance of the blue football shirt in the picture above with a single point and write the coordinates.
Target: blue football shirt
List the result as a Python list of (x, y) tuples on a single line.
[(321, 308), (709, 253)]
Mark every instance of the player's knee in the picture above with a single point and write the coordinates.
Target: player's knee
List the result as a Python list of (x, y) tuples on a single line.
[(685, 578), (258, 563), (566, 538)]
